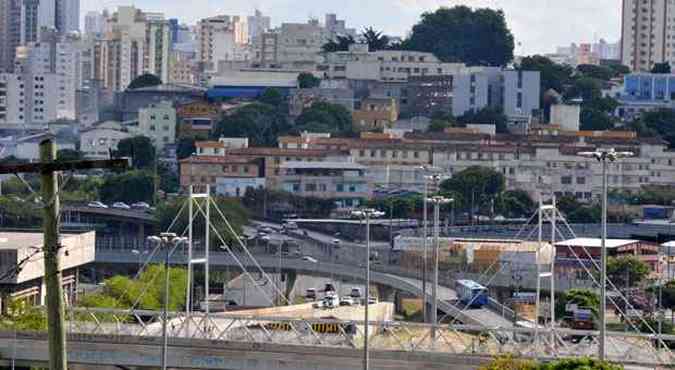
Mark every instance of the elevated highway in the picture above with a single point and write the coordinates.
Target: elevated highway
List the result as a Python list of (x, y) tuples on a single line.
[(383, 276)]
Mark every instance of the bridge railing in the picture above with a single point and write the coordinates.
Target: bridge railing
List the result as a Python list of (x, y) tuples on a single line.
[(629, 348)]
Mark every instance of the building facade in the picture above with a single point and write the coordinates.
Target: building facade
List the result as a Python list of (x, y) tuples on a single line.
[(100, 140), (158, 122), (646, 31)]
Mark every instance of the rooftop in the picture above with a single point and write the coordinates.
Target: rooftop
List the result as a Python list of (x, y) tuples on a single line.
[(259, 151), (323, 165), (595, 242), (214, 159)]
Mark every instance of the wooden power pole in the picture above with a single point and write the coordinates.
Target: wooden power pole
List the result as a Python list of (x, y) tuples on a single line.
[(48, 168)]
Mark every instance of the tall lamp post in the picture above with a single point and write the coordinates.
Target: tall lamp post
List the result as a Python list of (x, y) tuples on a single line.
[(168, 241), (437, 201), (436, 178), (603, 156), (366, 214)]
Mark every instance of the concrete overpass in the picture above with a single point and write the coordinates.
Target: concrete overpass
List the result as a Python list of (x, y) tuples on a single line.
[(382, 276)]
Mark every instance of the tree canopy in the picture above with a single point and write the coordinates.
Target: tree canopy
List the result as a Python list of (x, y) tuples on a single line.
[(603, 73), (341, 43), (144, 80), (514, 203), (626, 271), (271, 96), (462, 34), (325, 117), (66, 155), (261, 123), (487, 115), (375, 39), (553, 76), (131, 186), (140, 149), (475, 185), (307, 80), (660, 122)]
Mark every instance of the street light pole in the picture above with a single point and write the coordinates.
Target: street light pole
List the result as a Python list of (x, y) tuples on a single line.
[(367, 214), (437, 201), (168, 241), (602, 156)]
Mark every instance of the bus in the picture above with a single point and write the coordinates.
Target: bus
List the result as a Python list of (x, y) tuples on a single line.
[(471, 293)]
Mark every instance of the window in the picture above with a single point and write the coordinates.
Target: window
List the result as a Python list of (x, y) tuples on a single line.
[(581, 180), (322, 187), (373, 153), (340, 188), (512, 171), (416, 155), (310, 187), (519, 102), (235, 169), (566, 180), (362, 153), (296, 188), (352, 188)]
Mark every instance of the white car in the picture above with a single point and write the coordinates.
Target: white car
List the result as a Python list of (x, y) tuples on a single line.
[(331, 301), (140, 205), (96, 205), (346, 301), (309, 259), (120, 205)]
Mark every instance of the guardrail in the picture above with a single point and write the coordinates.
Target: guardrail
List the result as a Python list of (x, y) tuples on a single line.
[(627, 348)]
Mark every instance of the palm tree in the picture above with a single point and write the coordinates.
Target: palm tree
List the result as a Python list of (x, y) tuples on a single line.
[(341, 43), (375, 39)]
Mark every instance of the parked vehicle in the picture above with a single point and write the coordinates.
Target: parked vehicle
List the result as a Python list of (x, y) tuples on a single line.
[(120, 205), (329, 288), (471, 293), (140, 205), (96, 204), (372, 300), (290, 225), (309, 259), (331, 301), (310, 293), (346, 301), (355, 293)]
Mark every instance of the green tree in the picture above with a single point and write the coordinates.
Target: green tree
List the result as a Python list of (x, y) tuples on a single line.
[(462, 34), (514, 203), (619, 69), (325, 117), (597, 72), (583, 298), (662, 68), (583, 363), (661, 122), (596, 120), (139, 149), (307, 80), (147, 291), (261, 123), (476, 185), (508, 362), (128, 187), (553, 76), (438, 126), (486, 115), (144, 80), (341, 43), (271, 96), (185, 146), (626, 271), (375, 39), (669, 295), (22, 316), (69, 155), (586, 88)]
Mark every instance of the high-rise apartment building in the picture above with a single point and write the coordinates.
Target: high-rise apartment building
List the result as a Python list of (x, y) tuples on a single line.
[(647, 31), (10, 32), (134, 43), (221, 38), (257, 24), (94, 23)]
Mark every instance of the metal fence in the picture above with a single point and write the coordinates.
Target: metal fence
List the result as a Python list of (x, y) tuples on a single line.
[(546, 343)]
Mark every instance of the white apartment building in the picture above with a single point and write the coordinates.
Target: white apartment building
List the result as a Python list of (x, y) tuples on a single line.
[(222, 38), (292, 44), (94, 23), (558, 168), (134, 43), (647, 29), (69, 57), (25, 99), (158, 122), (98, 141), (384, 65)]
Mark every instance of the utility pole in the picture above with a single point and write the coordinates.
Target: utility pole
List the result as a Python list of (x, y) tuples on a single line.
[(48, 169)]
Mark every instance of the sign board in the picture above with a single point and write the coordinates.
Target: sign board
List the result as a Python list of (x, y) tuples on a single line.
[(583, 314)]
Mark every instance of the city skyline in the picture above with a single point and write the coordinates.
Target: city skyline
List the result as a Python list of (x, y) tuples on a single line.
[(538, 27)]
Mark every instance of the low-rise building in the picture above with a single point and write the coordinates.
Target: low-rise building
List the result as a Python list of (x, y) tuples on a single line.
[(220, 147), (375, 114), (28, 282), (344, 182), (100, 140), (220, 172), (301, 99), (196, 118), (158, 122)]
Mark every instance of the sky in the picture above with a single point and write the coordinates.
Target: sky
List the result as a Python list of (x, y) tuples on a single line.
[(538, 25)]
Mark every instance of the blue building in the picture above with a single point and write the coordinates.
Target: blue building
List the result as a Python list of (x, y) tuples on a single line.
[(644, 92), (173, 31)]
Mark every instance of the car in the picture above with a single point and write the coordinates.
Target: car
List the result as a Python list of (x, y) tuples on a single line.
[(331, 301), (336, 242), (290, 225), (310, 293), (309, 259), (120, 205), (355, 293), (346, 301), (372, 300), (96, 204), (140, 205), (329, 287)]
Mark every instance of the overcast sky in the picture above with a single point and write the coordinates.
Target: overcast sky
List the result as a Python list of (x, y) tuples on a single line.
[(538, 25)]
